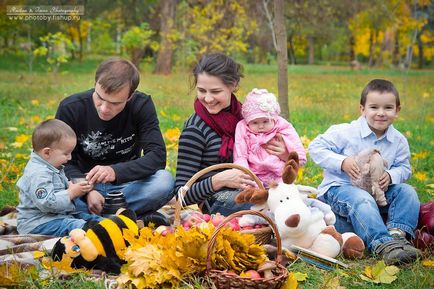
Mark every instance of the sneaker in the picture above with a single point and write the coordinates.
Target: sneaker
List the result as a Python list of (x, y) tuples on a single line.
[(397, 251), (156, 218)]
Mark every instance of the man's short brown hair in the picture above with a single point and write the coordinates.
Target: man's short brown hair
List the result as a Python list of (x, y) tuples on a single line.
[(50, 132), (114, 73)]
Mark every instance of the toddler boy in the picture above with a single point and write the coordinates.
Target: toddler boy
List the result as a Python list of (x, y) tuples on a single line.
[(46, 200)]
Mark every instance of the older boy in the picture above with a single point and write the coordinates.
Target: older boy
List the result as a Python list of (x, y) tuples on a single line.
[(356, 209), (46, 200)]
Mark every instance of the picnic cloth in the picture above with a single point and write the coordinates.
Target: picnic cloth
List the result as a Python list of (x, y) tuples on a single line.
[(21, 248)]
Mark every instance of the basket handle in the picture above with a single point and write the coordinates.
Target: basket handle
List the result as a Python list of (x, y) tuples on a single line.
[(213, 238), (183, 190)]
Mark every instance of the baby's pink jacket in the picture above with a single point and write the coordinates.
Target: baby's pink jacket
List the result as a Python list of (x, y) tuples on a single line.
[(250, 153)]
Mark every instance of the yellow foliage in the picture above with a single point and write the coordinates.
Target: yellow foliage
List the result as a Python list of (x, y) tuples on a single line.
[(421, 176), (154, 260)]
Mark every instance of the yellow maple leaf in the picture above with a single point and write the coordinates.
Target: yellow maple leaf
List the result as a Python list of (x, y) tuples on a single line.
[(428, 263), (291, 282), (38, 254), (172, 134), (22, 138), (421, 176)]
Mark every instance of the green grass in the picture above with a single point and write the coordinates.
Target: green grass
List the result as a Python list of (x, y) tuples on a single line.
[(319, 96)]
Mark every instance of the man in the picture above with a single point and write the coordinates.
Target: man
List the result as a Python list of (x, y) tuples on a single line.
[(119, 142)]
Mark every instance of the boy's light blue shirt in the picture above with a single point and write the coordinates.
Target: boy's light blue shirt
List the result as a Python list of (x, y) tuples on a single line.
[(43, 195), (329, 150)]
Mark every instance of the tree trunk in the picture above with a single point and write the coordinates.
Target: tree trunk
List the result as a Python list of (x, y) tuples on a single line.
[(421, 62), (395, 53), (351, 43), (310, 43), (165, 54), (371, 48), (292, 50), (282, 56)]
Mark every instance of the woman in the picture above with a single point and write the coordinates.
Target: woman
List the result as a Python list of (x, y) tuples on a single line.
[(208, 137)]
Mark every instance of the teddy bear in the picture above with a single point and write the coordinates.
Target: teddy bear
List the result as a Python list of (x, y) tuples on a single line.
[(299, 224), (99, 245), (372, 167), (291, 167)]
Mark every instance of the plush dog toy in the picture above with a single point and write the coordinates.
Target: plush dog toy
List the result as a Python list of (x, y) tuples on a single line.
[(372, 167), (299, 224), (100, 245)]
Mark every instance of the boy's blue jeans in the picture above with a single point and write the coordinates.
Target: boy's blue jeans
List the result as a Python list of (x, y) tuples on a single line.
[(356, 211), (146, 195), (62, 227)]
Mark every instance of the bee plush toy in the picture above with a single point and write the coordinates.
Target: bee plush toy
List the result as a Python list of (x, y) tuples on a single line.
[(100, 245)]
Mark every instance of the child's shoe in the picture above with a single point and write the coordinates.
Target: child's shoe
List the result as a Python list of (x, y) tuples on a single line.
[(396, 252)]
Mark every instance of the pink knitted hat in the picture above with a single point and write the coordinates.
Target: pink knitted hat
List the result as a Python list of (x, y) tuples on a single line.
[(260, 103)]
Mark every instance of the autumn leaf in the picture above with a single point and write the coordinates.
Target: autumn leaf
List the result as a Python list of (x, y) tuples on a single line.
[(334, 283), (380, 273), (301, 276), (291, 282), (428, 263)]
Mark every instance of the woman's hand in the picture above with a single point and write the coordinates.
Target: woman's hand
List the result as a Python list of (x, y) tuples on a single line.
[(232, 178), (277, 147)]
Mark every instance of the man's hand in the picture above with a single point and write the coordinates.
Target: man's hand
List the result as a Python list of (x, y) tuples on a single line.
[(101, 174), (384, 181), (350, 166), (95, 202), (277, 147)]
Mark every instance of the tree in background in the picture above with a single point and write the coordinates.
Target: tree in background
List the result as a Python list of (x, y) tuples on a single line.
[(56, 48), (282, 56), (219, 25), (168, 36), (135, 41)]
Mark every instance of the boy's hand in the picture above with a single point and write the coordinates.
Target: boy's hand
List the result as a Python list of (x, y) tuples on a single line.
[(79, 189), (350, 166), (385, 181)]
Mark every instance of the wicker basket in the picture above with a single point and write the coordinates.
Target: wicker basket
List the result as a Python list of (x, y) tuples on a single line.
[(226, 280), (262, 235)]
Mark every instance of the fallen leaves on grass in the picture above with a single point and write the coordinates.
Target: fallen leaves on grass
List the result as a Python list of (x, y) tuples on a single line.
[(380, 273), (428, 263)]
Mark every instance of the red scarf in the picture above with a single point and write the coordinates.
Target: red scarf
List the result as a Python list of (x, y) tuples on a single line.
[(223, 123)]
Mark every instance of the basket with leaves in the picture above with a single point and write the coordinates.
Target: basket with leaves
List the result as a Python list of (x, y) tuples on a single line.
[(268, 274), (262, 235)]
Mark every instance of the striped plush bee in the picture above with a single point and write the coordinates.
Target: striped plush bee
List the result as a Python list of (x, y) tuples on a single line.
[(100, 246)]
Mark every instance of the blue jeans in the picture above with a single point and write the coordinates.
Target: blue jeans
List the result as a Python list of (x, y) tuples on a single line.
[(224, 203), (356, 211), (62, 227), (142, 196)]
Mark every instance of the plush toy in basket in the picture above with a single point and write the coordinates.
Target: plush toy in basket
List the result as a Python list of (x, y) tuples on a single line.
[(100, 246), (268, 275), (302, 225)]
